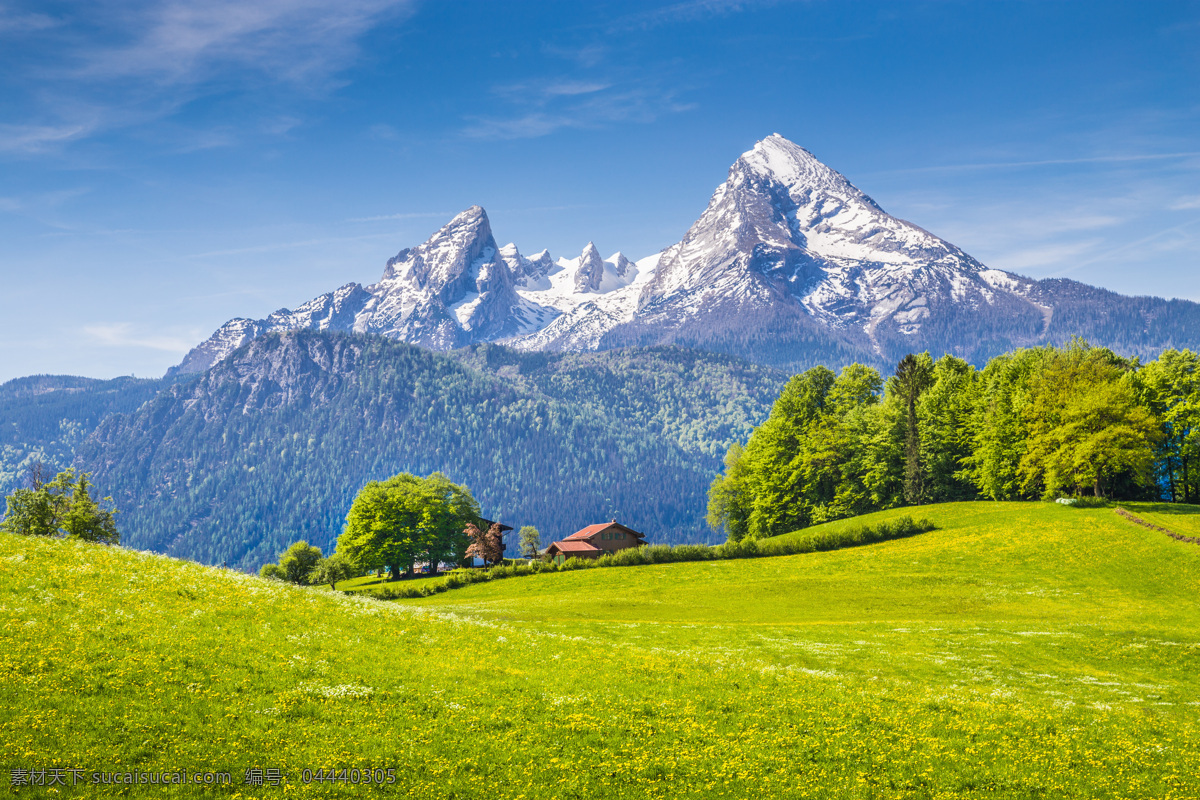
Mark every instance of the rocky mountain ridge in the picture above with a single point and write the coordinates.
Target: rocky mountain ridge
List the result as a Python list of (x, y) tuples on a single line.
[(790, 264), (271, 444)]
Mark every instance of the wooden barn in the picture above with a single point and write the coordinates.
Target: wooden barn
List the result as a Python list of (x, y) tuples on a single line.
[(594, 541)]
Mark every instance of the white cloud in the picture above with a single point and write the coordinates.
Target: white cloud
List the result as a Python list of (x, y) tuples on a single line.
[(575, 105), (1125, 158), (1186, 203), (122, 63), (40, 138), (687, 11), (24, 22), (185, 42), (123, 334), (1048, 255), (415, 215)]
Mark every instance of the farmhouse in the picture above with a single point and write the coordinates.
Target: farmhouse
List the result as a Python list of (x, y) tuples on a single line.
[(594, 541)]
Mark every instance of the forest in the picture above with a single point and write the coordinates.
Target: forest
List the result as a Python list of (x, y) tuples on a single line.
[(271, 446), (1038, 423)]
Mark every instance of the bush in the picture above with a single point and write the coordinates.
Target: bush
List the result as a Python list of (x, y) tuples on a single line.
[(792, 544), (1088, 502)]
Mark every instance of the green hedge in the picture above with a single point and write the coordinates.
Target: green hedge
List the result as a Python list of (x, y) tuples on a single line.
[(849, 536)]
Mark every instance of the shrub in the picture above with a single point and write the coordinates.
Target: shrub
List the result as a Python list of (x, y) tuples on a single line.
[(1088, 502), (792, 544)]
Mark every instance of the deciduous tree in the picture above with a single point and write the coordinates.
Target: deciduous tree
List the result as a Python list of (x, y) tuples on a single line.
[(62, 507), (335, 567), (488, 545), (530, 541), (402, 520), (298, 561)]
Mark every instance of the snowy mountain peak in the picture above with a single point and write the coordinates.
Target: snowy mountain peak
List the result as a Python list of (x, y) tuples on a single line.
[(590, 273), (789, 164), (789, 263)]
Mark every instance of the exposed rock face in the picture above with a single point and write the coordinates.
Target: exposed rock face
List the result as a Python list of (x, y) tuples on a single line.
[(790, 264)]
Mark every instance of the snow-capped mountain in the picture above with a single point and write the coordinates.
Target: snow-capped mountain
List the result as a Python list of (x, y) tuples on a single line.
[(790, 264)]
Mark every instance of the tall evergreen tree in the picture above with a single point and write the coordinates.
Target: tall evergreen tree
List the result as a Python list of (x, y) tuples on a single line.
[(943, 414), (914, 374)]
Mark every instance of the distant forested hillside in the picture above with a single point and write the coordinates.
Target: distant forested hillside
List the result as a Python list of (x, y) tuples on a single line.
[(45, 417), (271, 445)]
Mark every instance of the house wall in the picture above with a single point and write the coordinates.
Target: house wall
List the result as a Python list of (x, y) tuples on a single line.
[(613, 544)]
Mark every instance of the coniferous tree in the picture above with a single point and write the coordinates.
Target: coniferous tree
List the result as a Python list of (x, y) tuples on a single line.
[(914, 374), (943, 413), (61, 507)]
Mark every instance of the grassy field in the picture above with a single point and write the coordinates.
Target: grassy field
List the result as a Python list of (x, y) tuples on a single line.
[(1020, 650)]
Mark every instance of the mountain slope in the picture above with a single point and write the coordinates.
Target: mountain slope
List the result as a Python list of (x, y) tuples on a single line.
[(45, 417), (271, 445), (789, 265)]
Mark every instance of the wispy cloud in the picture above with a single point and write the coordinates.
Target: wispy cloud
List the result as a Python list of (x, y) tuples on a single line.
[(276, 246), (40, 138), (1166, 239), (587, 56), (186, 42), (24, 21), (115, 64), (1186, 203), (687, 11), (999, 165), (124, 334), (575, 105), (414, 215)]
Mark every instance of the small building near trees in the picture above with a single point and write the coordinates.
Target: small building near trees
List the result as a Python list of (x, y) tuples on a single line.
[(594, 541)]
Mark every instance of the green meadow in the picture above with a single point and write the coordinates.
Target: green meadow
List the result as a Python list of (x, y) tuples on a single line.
[(1021, 650)]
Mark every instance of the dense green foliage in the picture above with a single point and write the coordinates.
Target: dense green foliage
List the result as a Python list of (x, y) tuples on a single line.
[(298, 561), (271, 446), (43, 418), (333, 569), (1021, 650), (1039, 423), (61, 507), (406, 519)]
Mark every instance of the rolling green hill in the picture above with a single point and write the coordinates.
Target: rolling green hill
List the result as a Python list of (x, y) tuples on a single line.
[(1019, 651)]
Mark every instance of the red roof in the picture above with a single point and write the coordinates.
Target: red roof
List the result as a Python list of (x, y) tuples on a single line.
[(587, 532), (574, 547), (592, 530)]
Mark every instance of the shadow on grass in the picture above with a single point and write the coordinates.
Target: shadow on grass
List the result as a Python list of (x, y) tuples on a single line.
[(375, 583), (1167, 508)]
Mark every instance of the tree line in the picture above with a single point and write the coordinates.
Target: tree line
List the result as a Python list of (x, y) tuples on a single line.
[(1043, 422)]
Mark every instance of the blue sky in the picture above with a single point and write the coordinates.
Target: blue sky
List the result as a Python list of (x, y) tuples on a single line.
[(166, 166)]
